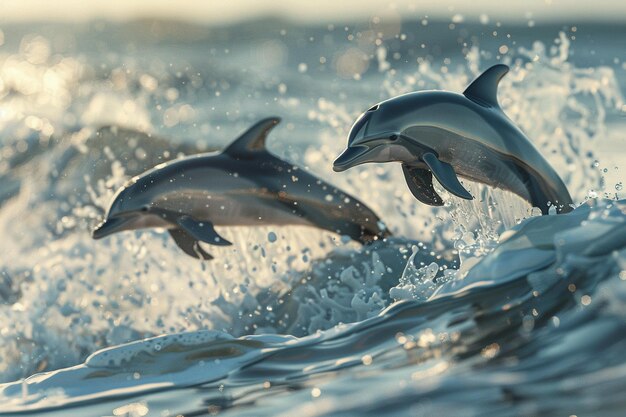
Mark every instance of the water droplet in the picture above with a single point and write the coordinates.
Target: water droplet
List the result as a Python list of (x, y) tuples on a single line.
[(271, 236), (458, 18), (619, 186)]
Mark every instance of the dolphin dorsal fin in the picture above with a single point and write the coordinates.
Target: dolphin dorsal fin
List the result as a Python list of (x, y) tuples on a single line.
[(252, 139), (484, 89)]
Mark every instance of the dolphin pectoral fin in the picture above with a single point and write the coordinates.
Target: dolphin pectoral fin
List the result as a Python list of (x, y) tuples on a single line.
[(446, 176), (202, 230), (189, 245), (420, 182)]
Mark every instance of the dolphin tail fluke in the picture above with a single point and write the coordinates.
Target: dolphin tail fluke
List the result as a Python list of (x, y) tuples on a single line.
[(358, 232), (353, 219), (446, 176), (189, 245), (420, 182), (356, 228), (367, 236), (546, 205), (545, 198), (365, 228)]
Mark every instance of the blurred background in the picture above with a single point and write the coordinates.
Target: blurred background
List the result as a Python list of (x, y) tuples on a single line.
[(93, 92), (323, 10)]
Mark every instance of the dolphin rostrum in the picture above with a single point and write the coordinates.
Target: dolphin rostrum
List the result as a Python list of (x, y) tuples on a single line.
[(242, 186), (447, 134)]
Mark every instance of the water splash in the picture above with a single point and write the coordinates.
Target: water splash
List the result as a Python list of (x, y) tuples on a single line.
[(65, 296)]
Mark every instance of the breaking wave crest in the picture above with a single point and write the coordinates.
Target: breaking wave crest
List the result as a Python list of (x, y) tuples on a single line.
[(487, 291)]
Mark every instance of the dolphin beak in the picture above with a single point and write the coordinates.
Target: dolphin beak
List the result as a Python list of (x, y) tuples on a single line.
[(110, 226), (349, 158), (364, 149)]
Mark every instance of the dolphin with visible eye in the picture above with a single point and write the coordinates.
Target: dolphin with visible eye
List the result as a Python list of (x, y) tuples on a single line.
[(452, 135), (244, 185)]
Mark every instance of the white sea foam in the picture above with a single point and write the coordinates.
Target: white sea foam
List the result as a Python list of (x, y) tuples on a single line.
[(65, 296)]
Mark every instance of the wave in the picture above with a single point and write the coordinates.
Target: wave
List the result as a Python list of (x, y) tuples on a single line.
[(529, 313), (474, 300)]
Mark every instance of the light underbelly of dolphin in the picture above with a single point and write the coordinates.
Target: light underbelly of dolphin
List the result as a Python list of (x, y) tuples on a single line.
[(479, 163), (247, 211), (250, 207)]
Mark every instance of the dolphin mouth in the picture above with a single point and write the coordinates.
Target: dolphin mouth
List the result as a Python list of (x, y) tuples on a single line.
[(110, 226), (361, 148), (376, 139), (351, 157)]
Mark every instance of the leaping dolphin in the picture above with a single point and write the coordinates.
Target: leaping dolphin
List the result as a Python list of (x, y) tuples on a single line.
[(447, 134), (243, 185)]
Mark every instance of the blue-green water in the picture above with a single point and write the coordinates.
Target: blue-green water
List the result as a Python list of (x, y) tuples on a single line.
[(455, 315)]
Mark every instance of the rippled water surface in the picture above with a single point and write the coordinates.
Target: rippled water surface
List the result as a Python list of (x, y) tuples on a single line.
[(475, 308)]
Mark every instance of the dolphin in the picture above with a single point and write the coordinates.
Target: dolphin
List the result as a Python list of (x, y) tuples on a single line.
[(245, 185), (452, 135)]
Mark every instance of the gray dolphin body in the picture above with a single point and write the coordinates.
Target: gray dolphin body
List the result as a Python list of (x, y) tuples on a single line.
[(446, 134), (244, 185)]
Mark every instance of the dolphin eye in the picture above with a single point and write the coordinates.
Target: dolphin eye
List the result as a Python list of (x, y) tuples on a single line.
[(373, 108), (393, 137), (145, 208)]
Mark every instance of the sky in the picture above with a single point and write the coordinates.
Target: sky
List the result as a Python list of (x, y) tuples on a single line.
[(217, 11)]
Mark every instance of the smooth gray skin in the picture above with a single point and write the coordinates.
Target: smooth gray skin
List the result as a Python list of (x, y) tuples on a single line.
[(449, 134), (245, 185)]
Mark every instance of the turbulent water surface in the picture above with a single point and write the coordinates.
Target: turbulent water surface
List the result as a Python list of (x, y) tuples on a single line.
[(475, 308)]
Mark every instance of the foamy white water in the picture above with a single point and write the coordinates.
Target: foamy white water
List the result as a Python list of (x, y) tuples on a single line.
[(64, 296)]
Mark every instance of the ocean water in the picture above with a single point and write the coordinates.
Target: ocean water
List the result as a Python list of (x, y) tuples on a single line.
[(475, 308)]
